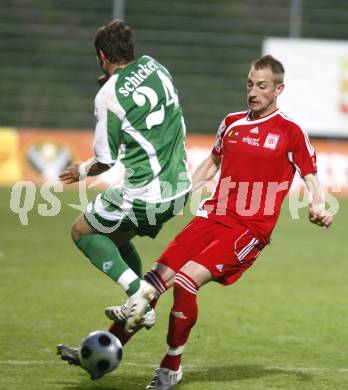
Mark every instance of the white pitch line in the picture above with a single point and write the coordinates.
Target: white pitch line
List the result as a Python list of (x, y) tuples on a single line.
[(27, 362), (283, 368), (323, 369), (43, 362)]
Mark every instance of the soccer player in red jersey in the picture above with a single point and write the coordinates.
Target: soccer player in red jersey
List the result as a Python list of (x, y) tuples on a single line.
[(257, 153)]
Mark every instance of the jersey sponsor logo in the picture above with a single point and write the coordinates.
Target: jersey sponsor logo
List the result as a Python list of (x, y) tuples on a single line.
[(251, 140), (137, 77), (255, 130), (271, 141), (107, 265), (219, 267)]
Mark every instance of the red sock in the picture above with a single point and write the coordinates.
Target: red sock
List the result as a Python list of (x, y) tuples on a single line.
[(154, 278), (182, 318), (117, 329)]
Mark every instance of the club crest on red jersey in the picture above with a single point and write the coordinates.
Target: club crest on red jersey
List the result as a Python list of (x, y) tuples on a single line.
[(271, 141), (232, 133)]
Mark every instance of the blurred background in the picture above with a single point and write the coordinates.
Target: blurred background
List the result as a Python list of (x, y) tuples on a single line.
[(48, 70), (48, 66)]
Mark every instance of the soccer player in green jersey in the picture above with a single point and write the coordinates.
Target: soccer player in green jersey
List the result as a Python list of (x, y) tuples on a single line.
[(140, 121)]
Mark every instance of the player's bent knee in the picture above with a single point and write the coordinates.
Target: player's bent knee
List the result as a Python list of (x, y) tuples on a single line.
[(75, 233), (166, 273), (80, 228), (197, 272)]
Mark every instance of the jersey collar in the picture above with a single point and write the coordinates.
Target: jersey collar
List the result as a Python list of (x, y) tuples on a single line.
[(263, 118)]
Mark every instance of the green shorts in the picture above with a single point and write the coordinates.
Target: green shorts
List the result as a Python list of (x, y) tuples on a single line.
[(111, 211)]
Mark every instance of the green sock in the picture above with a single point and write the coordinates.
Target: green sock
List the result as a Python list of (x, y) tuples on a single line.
[(131, 257), (104, 254)]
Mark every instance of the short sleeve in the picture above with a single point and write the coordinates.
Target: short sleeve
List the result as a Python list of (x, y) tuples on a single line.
[(105, 144), (217, 149), (302, 153)]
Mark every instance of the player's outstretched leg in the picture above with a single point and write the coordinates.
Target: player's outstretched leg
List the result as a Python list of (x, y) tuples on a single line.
[(118, 315), (182, 318)]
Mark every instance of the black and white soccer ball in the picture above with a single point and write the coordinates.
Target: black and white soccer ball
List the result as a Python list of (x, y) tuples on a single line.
[(100, 352)]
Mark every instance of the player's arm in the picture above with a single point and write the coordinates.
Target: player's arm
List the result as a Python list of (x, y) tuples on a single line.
[(105, 151), (209, 167), (81, 169), (302, 155), (317, 213), (206, 170)]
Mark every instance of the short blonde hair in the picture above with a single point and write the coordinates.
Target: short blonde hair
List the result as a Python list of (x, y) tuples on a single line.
[(275, 65)]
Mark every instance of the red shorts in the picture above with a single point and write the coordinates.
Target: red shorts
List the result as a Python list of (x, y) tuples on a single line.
[(225, 251)]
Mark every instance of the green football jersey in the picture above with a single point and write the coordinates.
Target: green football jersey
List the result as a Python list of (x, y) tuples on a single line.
[(140, 121)]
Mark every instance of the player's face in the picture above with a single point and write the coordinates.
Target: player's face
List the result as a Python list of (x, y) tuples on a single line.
[(262, 92)]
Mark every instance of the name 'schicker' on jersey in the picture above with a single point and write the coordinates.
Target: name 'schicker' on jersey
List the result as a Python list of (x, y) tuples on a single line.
[(138, 76)]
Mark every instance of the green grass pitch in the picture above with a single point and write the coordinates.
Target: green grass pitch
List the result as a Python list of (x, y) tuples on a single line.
[(283, 325)]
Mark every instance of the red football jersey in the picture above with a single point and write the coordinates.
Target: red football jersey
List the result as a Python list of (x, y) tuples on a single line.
[(259, 159)]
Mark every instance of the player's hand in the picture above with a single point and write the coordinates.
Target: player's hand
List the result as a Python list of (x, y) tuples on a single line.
[(71, 174), (319, 216)]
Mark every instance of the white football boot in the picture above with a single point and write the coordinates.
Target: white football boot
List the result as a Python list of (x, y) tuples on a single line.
[(165, 379), (119, 313), (69, 354), (136, 305)]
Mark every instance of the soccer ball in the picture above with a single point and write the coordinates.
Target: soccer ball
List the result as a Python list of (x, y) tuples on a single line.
[(100, 352)]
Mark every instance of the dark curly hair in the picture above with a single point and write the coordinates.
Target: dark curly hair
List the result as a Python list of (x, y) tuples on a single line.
[(116, 41)]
